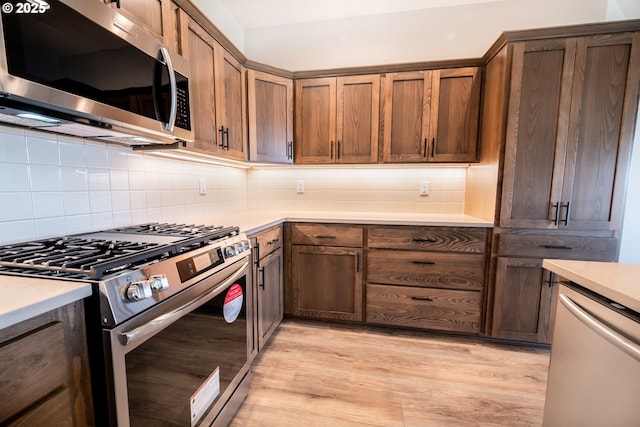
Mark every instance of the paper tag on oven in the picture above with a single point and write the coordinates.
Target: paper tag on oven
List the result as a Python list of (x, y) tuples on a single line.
[(204, 396), (233, 303)]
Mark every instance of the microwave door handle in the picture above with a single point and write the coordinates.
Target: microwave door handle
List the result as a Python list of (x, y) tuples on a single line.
[(141, 333), (174, 90)]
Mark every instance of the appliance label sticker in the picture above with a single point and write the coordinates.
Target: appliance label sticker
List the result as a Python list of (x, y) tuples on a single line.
[(204, 396), (233, 303)]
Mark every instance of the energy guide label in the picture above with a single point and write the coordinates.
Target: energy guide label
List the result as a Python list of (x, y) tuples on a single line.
[(233, 303)]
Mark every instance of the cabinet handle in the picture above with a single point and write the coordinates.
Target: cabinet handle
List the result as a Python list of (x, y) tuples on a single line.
[(290, 150), (324, 236), (261, 285), (221, 130), (358, 262), (256, 252), (566, 213), (332, 149), (424, 262), (562, 247), (273, 242), (424, 240), (433, 147), (226, 132), (339, 150), (422, 299), (556, 215), (550, 281), (424, 149), (117, 2)]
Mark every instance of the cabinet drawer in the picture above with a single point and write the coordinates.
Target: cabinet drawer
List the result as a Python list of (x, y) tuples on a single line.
[(553, 246), (37, 368), (440, 309), (442, 239), (326, 234), (268, 241), (425, 269)]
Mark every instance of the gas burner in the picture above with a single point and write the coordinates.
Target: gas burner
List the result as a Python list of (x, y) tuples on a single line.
[(166, 229)]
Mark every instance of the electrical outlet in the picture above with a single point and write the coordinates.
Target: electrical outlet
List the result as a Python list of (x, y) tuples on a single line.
[(203, 186), (299, 186), (424, 188)]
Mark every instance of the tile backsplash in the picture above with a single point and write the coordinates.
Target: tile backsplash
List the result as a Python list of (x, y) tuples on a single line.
[(376, 188), (52, 185)]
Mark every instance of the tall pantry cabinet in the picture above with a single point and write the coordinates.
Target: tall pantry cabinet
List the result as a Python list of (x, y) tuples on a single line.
[(568, 115)]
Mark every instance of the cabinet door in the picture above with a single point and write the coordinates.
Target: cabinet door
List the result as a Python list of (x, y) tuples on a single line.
[(523, 301), (230, 105), (357, 120), (541, 78), (270, 104), (327, 282), (455, 110), (315, 121), (175, 24), (201, 55), (147, 13), (269, 296), (406, 116), (603, 113)]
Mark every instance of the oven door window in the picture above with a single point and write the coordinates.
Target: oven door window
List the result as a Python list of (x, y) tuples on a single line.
[(178, 375)]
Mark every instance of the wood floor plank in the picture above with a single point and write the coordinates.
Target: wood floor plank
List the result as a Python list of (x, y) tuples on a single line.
[(322, 374)]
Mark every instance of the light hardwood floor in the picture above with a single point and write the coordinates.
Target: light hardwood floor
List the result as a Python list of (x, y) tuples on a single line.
[(320, 374)]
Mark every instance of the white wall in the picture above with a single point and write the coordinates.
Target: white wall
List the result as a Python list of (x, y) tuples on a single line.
[(220, 16), (424, 35), (630, 244)]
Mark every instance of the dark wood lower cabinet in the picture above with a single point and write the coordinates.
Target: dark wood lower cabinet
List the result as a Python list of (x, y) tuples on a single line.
[(524, 300), (327, 282), (45, 374), (269, 296)]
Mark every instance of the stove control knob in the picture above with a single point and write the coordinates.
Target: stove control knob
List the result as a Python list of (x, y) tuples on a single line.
[(138, 291), (230, 251), (159, 282)]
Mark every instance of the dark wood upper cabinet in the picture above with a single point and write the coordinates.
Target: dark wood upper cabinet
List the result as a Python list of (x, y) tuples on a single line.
[(201, 54), (337, 120), (270, 116), (431, 116), (571, 112), (230, 105)]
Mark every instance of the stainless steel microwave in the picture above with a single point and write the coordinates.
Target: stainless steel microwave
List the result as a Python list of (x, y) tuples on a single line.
[(79, 67)]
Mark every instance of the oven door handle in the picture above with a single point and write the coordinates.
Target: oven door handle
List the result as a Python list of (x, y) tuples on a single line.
[(159, 323)]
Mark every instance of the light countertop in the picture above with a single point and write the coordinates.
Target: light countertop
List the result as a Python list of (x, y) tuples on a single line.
[(23, 298), (615, 281)]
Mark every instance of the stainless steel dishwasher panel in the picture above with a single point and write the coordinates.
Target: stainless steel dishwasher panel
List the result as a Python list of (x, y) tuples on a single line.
[(594, 371)]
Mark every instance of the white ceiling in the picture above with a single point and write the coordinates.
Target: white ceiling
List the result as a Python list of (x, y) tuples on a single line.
[(266, 13)]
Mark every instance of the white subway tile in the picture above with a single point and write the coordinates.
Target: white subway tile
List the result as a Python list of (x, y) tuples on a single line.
[(14, 177), (78, 224), (17, 231), (13, 147), (50, 227), (100, 201), (42, 150), (96, 155), (16, 206), (119, 179), (74, 179), (120, 201), (45, 178), (100, 221), (121, 218), (71, 154), (98, 179), (76, 203), (117, 158), (46, 205)]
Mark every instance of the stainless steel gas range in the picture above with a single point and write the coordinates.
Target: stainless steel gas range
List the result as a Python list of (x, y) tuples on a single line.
[(169, 325)]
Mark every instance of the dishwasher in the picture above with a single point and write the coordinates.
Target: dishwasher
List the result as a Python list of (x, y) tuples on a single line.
[(594, 369)]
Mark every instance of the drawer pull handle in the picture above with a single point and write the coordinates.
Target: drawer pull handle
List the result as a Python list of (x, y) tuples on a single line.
[(424, 240), (564, 248), (422, 299), (424, 262), (324, 236), (273, 242)]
